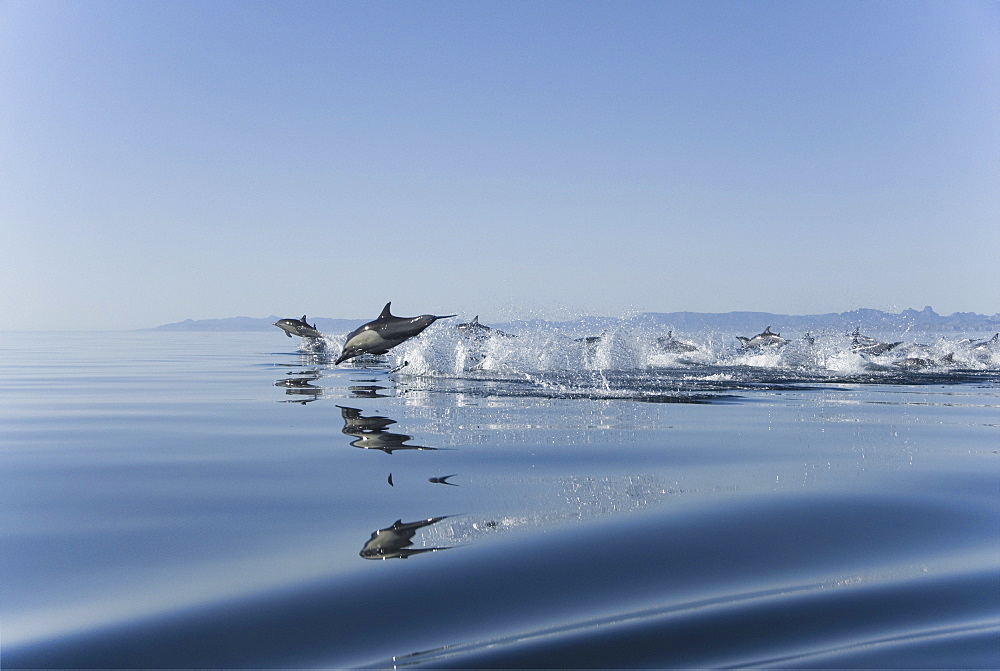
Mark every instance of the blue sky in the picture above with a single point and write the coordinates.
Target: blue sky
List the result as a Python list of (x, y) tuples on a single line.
[(170, 160)]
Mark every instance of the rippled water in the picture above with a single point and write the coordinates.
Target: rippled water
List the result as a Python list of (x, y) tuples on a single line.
[(224, 500)]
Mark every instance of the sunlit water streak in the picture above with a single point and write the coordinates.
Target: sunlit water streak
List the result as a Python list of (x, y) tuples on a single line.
[(193, 500)]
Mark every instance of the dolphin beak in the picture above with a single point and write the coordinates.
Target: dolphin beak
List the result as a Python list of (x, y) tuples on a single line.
[(444, 316)]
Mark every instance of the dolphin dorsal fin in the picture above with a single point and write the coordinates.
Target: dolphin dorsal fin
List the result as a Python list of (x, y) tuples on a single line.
[(386, 314), (304, 320), (475, 321)]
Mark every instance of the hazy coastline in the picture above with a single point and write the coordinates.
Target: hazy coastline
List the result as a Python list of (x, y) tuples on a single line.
[(863, 318)]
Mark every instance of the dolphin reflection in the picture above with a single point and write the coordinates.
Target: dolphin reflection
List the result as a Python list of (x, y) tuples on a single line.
[(371, 434), (301, 386), (367, 391), (396, 541)]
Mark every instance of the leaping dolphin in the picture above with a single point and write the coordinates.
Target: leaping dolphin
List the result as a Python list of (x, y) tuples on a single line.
[(382, 334), (982, 344), (762, 339), (671, 344), (477, 330), (299, 327), (862, 344)]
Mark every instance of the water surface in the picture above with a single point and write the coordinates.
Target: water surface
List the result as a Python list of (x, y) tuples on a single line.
[(226, 500)]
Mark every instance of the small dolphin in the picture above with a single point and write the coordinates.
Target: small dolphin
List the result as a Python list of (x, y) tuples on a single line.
[(916, 362), (474, 328), (862, 344), (299, 327), (982, 344), (762, 339), (590, 343), (669, 343), (382, 334)]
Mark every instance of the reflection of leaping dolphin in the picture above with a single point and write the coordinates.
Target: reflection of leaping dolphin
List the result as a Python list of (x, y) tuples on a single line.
[(763, 339), (371, 434), (385, 441), (367, 391), (299, 327), (383, 333), (354, 422), (396, 541)]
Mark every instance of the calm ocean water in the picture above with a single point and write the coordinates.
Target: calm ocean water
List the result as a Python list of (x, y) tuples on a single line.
[(226, 500)]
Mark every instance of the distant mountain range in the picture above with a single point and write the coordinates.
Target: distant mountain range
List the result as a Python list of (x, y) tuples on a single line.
[(259, 324), (749, 322)]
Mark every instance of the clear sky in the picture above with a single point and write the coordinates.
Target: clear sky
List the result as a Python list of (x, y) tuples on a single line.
[(190, 159)]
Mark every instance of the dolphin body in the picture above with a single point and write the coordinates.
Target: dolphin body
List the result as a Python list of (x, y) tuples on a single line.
[(762, 339), (299, 327), (382, 334), (862, 344), (917, 363), (669, 343), (477, 330), (982, 344)]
